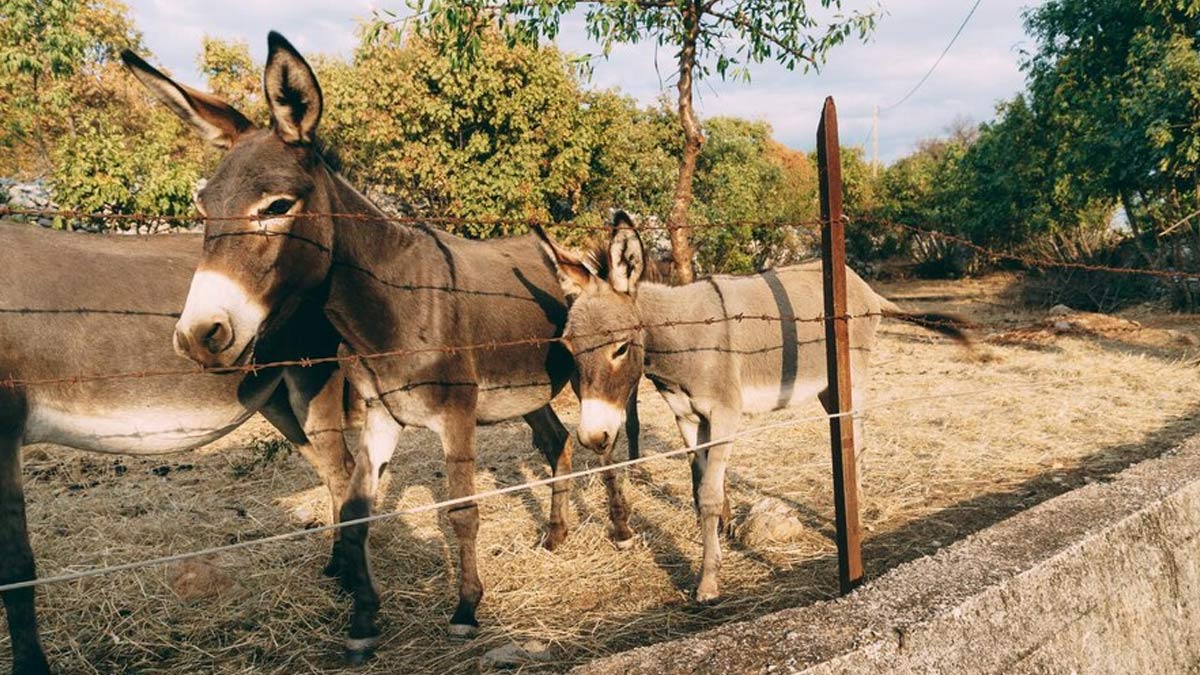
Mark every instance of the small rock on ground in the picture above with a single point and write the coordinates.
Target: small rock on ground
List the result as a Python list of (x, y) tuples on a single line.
[(770, 520), (513, 655), (197, 579)]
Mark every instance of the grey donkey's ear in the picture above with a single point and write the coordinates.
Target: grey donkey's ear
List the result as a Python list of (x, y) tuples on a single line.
[(217, 121), (573, 273), (293, 94), (626, 256)]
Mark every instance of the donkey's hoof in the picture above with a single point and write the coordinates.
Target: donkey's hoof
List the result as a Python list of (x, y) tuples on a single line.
[(706, 594), (360, 650), (333, 568), (463, 631), (553, 538), (627, 543)]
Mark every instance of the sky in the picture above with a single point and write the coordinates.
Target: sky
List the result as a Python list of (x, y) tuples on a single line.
[(981, 69)]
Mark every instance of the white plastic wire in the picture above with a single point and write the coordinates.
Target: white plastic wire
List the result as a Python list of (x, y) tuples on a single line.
[(488, 494)]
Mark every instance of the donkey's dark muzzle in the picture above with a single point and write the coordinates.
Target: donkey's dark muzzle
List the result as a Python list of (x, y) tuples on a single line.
[(204, 341)]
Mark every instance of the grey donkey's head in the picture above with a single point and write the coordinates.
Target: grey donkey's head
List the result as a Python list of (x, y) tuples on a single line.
[(603, 331)]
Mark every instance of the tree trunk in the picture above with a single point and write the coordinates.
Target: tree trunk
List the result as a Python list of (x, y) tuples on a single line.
[(1135, 225), (693, 140)]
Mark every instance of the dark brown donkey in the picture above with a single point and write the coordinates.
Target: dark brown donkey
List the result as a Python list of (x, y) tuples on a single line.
[(74, 304), (269, 237)]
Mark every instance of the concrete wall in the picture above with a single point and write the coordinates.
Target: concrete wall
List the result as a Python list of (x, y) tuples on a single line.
[(1104, 579)]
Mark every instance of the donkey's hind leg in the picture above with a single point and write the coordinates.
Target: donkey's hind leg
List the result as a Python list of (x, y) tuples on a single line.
[(458, 443), (381, 433), (552, 438), (16, 564), (690, 430)]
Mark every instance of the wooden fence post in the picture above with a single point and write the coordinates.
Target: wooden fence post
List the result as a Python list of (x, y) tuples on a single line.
[(837, 350)]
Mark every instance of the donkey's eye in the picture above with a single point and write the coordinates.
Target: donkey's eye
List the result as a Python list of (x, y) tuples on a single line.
[(278, 207), (621, 350)]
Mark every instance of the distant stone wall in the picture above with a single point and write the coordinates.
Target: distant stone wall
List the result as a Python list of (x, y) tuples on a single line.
[(1104, 579), (27, 195)]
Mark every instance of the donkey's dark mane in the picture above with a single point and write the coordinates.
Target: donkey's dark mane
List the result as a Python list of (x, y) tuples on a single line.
[(332, 157)]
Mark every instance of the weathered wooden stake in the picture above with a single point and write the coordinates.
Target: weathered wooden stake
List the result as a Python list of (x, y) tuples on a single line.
[(837, 350)]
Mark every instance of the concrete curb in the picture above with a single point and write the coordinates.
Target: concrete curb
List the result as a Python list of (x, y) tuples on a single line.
[(1104, 579)]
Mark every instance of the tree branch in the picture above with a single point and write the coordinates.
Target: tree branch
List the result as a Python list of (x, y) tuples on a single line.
[(741, 22)]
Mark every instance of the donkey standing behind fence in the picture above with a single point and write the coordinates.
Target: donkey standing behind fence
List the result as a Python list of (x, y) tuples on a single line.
[(281, 223), (708, 374), (74, 304)]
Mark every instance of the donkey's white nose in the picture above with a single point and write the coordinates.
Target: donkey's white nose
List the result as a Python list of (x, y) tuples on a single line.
[(599, 423), (201, 341)]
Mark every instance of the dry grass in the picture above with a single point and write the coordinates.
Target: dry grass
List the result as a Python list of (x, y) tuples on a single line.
[(938, 470)]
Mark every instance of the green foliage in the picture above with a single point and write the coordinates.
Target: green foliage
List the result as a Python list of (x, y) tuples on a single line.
[(1118, 83), (744, 178), (634, 156), (729, 36), (234, 76), (128, 156), (503, 138), (48, 49), (1111, 116)]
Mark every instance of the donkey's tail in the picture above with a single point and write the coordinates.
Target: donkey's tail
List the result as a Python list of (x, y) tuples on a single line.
[(953, 326)]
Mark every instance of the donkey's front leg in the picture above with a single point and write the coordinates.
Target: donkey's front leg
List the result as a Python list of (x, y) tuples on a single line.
[(316, 397), (380, 434), (552, 438), (458, 442), (16, 564), (711, 498), (618, 508)]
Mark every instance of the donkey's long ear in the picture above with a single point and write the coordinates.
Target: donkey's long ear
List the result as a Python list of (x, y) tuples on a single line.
[(626, 256), (216, 120), (574, 275), (293, 94)]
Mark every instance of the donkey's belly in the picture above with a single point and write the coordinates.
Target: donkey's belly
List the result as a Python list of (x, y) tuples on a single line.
[(767, 397), (505, 401), (133, 430)]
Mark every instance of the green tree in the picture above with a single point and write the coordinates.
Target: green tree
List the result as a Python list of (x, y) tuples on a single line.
[(48, 51), (1118, 84), (715, 36), (504, 138), (234, 76), (752, 186)]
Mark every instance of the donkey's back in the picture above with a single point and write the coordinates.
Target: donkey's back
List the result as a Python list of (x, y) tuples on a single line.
[(776, 351)]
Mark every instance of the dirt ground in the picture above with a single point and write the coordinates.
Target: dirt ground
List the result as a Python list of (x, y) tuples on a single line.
[(1069, 399)]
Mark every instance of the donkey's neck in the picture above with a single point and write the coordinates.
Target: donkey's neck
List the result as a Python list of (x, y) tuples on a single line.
[(373, 259), (361, 230), (660, 306)]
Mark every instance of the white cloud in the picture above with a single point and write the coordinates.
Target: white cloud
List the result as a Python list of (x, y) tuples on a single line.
[(981, 68)]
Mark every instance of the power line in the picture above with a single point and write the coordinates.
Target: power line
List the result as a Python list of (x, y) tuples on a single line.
[(939, 59)]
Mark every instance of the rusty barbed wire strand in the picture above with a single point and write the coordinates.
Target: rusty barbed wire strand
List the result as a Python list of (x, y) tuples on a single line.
[(12, 382), (529, 222), (1038, 262), (370, 217), (307, 362)]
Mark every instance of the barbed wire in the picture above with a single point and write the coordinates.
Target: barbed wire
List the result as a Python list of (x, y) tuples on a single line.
[(1036, 262), (386, 218), (991, 254), (12, 382), (861, 410)]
